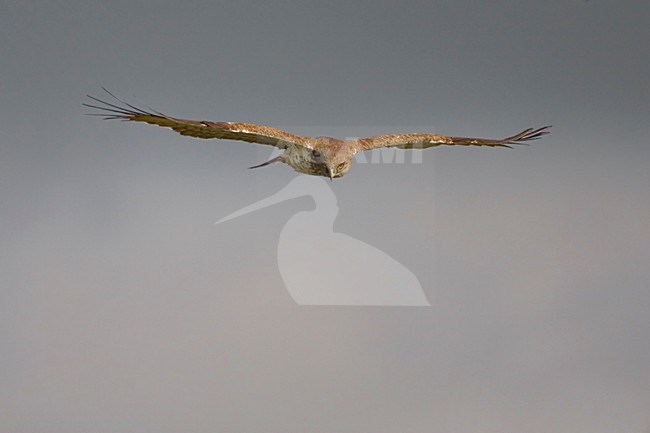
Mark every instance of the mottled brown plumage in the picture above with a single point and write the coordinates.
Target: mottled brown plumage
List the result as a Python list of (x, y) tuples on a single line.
[(319, 156)]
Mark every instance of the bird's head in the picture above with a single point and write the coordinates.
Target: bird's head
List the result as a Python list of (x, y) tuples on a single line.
[(338, 168), (331, 159), (331, 164)]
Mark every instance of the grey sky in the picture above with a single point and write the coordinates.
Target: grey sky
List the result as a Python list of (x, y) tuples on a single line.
[(124, 308)]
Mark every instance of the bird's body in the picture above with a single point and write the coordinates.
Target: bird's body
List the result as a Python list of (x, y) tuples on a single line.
[(318, 156), (324, 152)]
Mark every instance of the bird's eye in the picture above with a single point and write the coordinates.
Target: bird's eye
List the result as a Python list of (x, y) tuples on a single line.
[(340, 166), (315, 153)]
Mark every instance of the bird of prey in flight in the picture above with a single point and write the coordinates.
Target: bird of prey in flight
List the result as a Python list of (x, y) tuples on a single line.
[(318, 156)]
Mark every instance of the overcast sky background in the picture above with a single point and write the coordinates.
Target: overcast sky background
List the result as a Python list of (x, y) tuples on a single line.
[(123, 308)]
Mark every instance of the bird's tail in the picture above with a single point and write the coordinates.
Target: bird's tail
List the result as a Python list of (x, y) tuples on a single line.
[(270, 161)]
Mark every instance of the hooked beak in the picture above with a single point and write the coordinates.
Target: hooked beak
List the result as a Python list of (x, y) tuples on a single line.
[(329, 173)]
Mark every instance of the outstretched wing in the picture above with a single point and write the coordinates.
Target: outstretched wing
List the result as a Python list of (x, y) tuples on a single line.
[(422, 141), (195, 128)]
